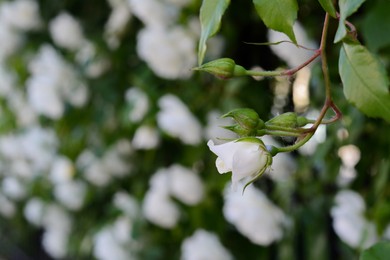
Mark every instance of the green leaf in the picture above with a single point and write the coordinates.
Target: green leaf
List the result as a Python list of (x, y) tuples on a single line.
[(328, 6), (211, 13), (347, 8), (365, 80), (379, 251), (278, 15)]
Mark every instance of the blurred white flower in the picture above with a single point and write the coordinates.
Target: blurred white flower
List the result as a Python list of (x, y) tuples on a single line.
[(52, 82), (204, 245), (71, 194), (21, 14), (126, 203), (349, 155), (10, 40), (349, 221), (159, 209), (288, 52), (243, 158), (34, 210), (62, 170), (57, 224), (66, 32), (92, 168), (25, 114), (214, 129), (114, 241), (115, 162), (154, 12), (185, 184), (116, 24), (176, 119), (7, 207), (146, 137), (170, 53), (13, 188), (254, 215), (7, 79), (139, 103)]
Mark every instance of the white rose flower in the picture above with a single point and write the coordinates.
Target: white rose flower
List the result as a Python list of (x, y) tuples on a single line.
[(114, 241), (290, 53), (62, 170), (66, 32), (71, 194), (176, 119), (246, 157), (349, 221), (55, 243), (139, 102), (21, 14), (204, 245), (116, 24), (8, 208), (170, 53), (145, 138), (254, 215), (126, 203), (13, 188), (185, 185), (154, 12), (159, 209), (33, 211)]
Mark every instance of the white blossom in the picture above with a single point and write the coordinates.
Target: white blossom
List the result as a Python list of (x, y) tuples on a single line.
[(71, 194), (185, 184), (139, 103), (243, 158), (349, 221), (126, 203), (114, 241), (21, 14), (154, 12), (254, 215), (175, 118), (170, 53), (116, 24), (204, 245), (66, 32), (13, 188), (349, 155), (62, 170), (57, 224), (10, 41), (146, 137), (52, 83), (34, 210), (7, 207), (289, 52)]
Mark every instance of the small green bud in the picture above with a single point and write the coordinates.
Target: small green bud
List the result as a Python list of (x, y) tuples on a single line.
[(287, 120), (223, 68), (302, 121), (248, 121)]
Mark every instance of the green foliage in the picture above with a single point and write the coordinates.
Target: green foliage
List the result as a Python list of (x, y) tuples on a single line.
[(328, 7), (278, 15), (379, 251), (347, 8), (365, 81), (211, 13)]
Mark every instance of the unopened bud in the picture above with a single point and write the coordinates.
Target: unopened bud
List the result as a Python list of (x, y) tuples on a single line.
[(287, 120), (223, 68), (248, 121)]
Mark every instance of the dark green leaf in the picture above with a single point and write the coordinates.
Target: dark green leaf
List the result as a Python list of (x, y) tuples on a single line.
[(328, 7), (365, 81), (379, 251), (211, 13), (347, 8), (278, 15)]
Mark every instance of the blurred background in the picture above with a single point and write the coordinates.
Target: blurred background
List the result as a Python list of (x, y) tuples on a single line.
[(103, 132)]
